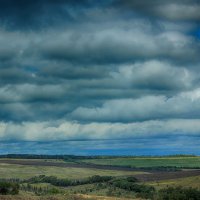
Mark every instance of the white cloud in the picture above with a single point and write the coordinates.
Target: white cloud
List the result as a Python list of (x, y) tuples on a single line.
[(155, 75), (183, 105), (61, 130)]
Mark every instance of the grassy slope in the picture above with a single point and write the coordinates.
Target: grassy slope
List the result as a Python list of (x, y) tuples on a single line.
[(23, 172), (65, 196), (94, 190), (184, 182), (186, 162)]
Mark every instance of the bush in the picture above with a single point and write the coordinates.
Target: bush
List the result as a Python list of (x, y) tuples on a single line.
[(53, 191), (131, 185), (179, 193), (7, 188), (66, 182), (98, 179), (132, 179)]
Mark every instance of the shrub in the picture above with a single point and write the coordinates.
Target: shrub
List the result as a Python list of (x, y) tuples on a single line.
[(132, 179), (131, 185), (9, 188), (179, 193)]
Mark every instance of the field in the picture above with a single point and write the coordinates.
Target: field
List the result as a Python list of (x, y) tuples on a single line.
[(43, 179), (143, 162), (24, 171)]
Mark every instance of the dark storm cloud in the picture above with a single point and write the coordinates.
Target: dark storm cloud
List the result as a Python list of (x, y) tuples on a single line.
[(110, 46), (171, 9), (36, 14), (64, 70), (29, 14), (98, 69)]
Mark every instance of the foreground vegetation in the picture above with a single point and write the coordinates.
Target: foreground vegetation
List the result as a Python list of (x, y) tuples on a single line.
[(115, 187)]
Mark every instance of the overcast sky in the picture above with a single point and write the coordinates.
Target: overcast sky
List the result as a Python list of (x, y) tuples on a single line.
[(100, 77)]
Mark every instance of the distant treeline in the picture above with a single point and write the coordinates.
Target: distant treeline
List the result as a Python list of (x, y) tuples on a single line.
[(35, 156), (66, 157)]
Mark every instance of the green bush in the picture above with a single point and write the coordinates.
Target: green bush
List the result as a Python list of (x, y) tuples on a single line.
[(53, 191), (179, 193), (7, 188), (132, 179), (131, 185), (66, 182)]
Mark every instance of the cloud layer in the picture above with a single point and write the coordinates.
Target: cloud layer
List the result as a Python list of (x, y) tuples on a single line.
[(90, 70)]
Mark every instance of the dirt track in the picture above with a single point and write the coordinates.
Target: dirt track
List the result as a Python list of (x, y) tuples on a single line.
[(152, 176)]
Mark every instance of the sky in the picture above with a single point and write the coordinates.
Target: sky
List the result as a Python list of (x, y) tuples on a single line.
[(109, 77)]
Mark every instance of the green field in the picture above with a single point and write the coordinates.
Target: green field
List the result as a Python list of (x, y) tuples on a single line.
[(143, 162), (24, 172)]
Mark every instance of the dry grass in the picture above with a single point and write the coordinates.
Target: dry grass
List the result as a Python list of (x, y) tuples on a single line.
[(93, 197), (63, 197), (31, 197)]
